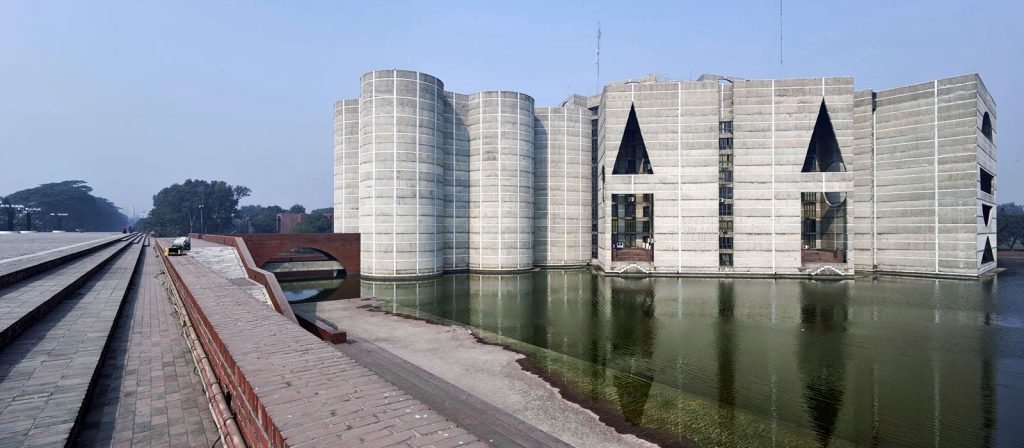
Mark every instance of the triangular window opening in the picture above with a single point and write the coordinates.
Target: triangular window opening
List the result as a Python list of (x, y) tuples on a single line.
[(632, 157), (823, 154), (986, 212), (987, 256)]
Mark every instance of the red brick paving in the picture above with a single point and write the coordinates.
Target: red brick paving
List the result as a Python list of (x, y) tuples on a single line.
[(301, 390), (149, 393)]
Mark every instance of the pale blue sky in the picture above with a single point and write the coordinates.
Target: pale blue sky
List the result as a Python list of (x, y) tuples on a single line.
[(119, 93)]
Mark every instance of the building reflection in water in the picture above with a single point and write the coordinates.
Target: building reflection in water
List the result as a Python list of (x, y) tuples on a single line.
[(876, 361), (633, 333), (821, 351)]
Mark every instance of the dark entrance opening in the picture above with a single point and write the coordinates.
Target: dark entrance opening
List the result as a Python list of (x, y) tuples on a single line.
[(632, 227), (823, 227)]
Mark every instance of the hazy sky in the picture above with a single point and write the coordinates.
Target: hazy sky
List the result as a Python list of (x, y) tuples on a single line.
[(134, 96)]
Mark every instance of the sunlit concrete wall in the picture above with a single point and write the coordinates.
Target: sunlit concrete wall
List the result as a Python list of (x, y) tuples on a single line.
[(401, 182), (773, 124), (927, 202), (501, 181), (562, 146), (455, 210), (346, 166), (679, 123)]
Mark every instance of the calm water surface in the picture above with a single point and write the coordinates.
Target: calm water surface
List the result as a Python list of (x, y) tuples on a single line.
[(877, 361)]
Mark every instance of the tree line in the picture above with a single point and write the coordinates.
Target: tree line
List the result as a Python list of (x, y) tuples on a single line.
[(68, 205), (200, 206)]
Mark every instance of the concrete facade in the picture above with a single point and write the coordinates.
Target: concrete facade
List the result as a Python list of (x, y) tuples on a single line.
[(501, 181), (921, 152), (346, 166), (718, 176), (562, 186)]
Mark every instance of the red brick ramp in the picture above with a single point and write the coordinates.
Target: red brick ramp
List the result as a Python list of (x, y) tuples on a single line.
[(288, 388)]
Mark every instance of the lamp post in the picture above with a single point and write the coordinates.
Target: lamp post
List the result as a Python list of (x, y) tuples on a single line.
[(59, 217), (202, 223), (12, 211), (28, 216)]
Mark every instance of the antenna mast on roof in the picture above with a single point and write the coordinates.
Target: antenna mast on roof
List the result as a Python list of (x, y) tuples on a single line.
[(780, 33), (598, 63)]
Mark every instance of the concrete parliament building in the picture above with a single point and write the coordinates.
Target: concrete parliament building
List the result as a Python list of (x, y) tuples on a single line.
[(718, 176)]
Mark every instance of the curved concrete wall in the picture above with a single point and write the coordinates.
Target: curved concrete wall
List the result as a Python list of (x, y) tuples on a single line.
[(401, 181), (501, 181), (561, 186), (346, 166), (455, 212)]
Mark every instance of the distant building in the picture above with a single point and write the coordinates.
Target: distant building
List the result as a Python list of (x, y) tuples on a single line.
[(718, 176)]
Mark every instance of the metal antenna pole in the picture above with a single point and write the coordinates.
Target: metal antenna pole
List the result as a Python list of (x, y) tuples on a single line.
[(598, 86), (780, 34)]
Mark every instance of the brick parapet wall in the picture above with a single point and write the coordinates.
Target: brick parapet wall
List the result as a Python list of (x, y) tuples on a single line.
[(285, 387)]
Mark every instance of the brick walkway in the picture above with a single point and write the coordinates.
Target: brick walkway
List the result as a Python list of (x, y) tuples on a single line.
[(45, 373), (310, 393), (149, 393)]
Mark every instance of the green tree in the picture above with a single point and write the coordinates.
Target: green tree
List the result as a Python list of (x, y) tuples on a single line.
[(263, 219), (1010, 224), (323, 211), (74, 197), (297, 209), (194, 206), (315, 223)]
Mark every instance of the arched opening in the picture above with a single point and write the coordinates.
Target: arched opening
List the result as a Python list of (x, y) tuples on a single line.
[(303, 263), (986, 126)]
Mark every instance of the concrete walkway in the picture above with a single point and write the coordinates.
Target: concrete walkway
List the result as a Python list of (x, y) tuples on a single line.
[(225, 262), (489, 373), (149, 393)]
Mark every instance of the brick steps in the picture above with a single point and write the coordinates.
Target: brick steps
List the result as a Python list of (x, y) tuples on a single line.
[(21, 268), (47, 372), (24, 303)]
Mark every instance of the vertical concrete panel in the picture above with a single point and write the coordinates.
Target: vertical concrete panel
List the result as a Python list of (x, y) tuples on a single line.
[(346, 166), (862, 165), (455, 210), (562, 186), (401, 179), (501, 181)]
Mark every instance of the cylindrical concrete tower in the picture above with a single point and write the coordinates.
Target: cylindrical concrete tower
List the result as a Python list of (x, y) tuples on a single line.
[(346, 166), (561, 186), (400, 173), (500, 181)]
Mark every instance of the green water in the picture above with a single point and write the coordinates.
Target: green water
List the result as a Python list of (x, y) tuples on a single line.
[(880, 361)]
